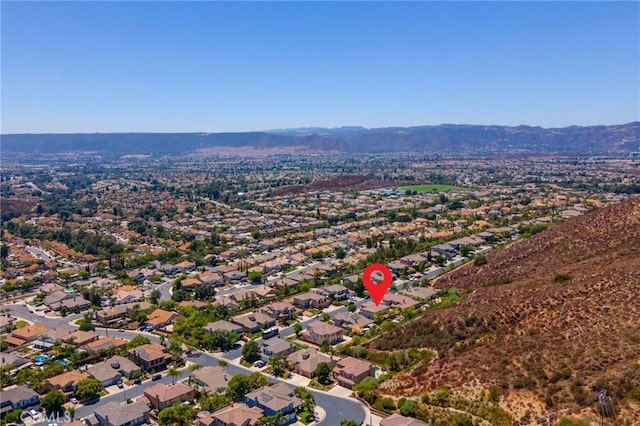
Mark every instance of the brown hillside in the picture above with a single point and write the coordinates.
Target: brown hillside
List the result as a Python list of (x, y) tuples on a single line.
[(566, 324), (340, 183)]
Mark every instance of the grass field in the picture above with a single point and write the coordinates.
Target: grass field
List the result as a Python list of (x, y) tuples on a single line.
[(432, 188)]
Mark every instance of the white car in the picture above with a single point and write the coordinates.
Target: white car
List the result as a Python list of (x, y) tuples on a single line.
[(74, 400), (33, 413)]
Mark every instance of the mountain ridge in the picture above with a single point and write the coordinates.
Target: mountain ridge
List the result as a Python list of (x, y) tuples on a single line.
[(443, 138)]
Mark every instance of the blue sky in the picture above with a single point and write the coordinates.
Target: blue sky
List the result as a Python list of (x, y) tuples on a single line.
[(217, 66)]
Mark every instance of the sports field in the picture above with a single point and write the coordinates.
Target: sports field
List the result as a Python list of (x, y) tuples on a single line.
[(432, 188)]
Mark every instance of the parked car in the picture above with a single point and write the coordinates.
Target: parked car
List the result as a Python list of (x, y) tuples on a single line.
[(92, 401), (34, 414), (156, 377), (120, 385), (74, 400)]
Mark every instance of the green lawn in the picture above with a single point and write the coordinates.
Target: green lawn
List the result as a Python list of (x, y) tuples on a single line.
[(432, 188)]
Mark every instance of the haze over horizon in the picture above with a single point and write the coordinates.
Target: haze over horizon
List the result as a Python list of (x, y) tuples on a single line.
[(117, 67)]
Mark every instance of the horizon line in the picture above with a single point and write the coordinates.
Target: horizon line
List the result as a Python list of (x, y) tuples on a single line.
[(287, 129)]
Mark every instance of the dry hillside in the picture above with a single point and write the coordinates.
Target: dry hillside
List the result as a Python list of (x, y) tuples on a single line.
[(549, 320)]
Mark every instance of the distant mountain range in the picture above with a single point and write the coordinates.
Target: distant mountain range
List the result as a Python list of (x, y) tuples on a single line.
[(445, 138)]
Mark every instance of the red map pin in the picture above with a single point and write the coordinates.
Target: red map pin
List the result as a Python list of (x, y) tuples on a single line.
[(377, 290)]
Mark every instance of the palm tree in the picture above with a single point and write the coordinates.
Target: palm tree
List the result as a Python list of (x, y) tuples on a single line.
[(191, 368), (174, 372)]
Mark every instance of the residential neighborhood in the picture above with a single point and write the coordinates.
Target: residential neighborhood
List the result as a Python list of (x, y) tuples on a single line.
[(146, 303)]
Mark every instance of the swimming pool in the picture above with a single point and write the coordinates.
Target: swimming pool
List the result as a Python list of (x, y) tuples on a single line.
[(63, 362), (41, 358)]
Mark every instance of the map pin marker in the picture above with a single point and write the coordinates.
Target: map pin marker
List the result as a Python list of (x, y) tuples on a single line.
[(377, 290)]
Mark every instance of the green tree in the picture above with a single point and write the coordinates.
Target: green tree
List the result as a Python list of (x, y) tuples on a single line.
[(238, 387), (88, 389), (4, 251), (215, 402), (277, 419), (178, 414), (367, 389), (308, 401), (154, 296), (86, 325), (441, 396), (255, 277), (297, 328), (53, 402), (241, 384), (350, 423), (13, 416), (277, 365), (137, 341), (251, 351), (322, 372), (408, 408)]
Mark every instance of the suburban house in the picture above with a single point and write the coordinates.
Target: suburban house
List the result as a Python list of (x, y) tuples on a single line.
[(273, 399), (349, 371), (223, 325), (399, 420), (105, 374), (124, 366), (75, 302), (226, 301), (234, 276), (335, 292), (151, 357), (350, 280), (310, 300), (288, 283), (319, 332), (305, 361), (280, 311), (370, 309), (17, 397), (116, 414), (211, 278), (190, 284), (29, 333), (106, 343), (264, 291), (277, 347), (161, 395), (445, 250), (80, 338), (111, 314), (348, 320), (254, 321), (214, 379), (65, 382), (127, 294), (185, 266), (193, 303), (160, 318), (399, 301), (424, 293), (233, 415)]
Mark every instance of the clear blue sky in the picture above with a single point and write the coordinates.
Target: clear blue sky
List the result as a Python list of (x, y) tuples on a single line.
[(212, 66)]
